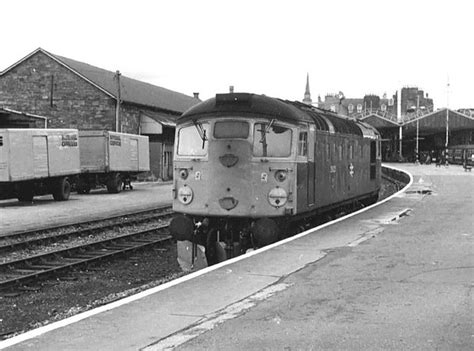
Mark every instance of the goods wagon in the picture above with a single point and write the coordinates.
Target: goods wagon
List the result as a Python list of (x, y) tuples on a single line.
[(112, 159), (38, 161), (249, 168)]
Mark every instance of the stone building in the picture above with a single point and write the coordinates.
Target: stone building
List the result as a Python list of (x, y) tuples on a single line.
[(413, 101), (73, 94)]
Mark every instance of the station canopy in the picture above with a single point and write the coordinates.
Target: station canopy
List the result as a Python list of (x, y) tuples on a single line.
[(428, 124), (16, 119), (435, 123)]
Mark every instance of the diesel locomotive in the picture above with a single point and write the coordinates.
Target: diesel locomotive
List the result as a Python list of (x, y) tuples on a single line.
[(247, 167)]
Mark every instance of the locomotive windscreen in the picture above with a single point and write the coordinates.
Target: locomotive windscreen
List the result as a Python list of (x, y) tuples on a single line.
[(271, 140), (191, 142), (231, 129)]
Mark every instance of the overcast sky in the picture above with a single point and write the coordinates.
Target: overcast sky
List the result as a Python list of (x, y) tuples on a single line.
[(266, 47)]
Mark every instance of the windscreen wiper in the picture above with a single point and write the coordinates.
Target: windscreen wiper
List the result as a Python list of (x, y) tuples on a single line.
[(201, 132)]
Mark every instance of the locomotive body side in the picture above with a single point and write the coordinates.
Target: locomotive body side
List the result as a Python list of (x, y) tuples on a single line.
[(344, 168)]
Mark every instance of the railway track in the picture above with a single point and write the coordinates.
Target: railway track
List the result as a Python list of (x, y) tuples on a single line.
[(47, 262), (21, 240)]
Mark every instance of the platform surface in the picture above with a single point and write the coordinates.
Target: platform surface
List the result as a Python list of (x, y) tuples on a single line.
[(44, 212), (397, 276)]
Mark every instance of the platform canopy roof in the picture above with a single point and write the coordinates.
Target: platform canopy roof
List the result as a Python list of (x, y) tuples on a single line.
[(380, 122), (435, 122), (16, 119), (428, 124)]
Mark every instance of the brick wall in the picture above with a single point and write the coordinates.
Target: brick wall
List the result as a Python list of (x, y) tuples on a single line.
[(40, 85)]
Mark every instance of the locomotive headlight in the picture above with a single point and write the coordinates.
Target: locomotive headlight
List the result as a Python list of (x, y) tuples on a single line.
[(280, 176), (183, 173), (185, 195), (277, 197)]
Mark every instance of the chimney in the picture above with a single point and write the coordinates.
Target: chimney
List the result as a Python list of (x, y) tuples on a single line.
[(231, 89), (196, 95)]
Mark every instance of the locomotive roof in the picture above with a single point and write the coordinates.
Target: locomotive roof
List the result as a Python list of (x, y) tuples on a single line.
[(252, 105)]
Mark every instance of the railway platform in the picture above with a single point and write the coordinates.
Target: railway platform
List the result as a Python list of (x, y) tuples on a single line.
[(44, 212), (395, 276)]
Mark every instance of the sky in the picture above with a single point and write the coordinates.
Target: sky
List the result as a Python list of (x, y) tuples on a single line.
[(259, 46)]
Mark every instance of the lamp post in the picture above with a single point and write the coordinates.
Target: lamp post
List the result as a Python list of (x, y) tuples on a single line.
[(117, 107), (447, 114), (417, 150), (399, 120)]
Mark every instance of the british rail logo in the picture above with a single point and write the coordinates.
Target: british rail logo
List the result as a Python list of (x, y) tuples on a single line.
[(69, 140)]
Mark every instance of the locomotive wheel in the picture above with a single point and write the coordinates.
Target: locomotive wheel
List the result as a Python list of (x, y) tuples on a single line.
[(62, 189), (114, 184), (211, 250), (26, 192)]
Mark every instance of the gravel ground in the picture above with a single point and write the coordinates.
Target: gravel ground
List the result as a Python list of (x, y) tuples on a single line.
[(83, 290)]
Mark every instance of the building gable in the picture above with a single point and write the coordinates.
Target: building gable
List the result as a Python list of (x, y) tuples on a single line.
[(39, 84), (131, 90)]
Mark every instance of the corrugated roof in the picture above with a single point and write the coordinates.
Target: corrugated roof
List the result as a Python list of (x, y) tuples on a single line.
[(132, 90)]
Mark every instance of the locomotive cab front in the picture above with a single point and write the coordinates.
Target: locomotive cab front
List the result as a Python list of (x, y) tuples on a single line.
[(233, 177)]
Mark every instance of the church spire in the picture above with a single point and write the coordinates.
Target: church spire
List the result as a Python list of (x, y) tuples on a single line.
[(307, 94)]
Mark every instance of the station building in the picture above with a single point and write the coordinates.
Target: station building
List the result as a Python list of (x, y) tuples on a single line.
[(419, 130), (43, 90)]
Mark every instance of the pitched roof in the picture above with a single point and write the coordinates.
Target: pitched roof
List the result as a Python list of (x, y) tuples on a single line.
[(435, 122), (132, 90)]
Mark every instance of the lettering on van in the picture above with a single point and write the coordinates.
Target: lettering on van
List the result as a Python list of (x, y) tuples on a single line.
[(115, 140), (69, 140)]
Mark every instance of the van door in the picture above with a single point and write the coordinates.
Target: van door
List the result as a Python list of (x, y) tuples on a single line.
[(134, 154), (40, 156)]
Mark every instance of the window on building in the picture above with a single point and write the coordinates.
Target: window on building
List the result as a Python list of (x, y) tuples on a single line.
[(359, 108), (333, 108), (390, 102), (350, 108), (383, 107)]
